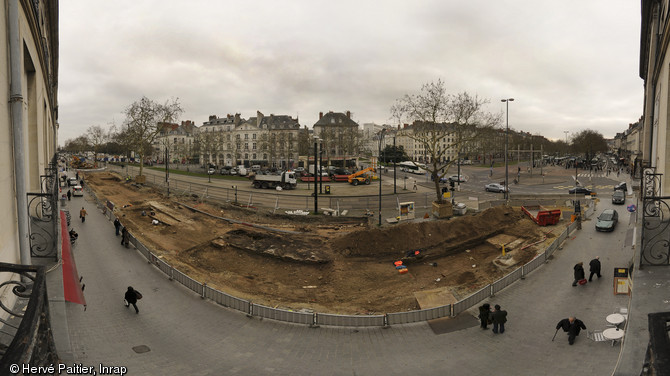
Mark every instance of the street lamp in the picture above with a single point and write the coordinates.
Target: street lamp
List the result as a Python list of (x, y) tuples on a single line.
[(381, 138), (395, 156), (506, 101)]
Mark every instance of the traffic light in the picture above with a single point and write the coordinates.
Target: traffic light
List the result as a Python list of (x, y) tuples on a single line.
[(451, 184)]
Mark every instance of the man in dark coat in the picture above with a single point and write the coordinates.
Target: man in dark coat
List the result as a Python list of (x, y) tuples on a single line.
[(594, 267), (69, 195), (579, 273), (572, 326), (484, 315), (117, 226), (499, 318), (131, 298)]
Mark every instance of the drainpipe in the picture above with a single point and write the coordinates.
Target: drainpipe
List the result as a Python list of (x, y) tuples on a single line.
[(16, 111)]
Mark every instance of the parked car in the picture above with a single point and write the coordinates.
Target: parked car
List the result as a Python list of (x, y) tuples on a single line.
[(457, 178), (234, 171), (621, 186), (211, 171), (299, 169), (494, 187), (241, 170), (225, 170), (619, 197), (77, 190), (581, 190), (607, 220)]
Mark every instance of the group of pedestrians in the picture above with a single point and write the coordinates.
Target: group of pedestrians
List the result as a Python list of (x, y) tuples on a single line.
[(125, 235), (579, 274), (497, 317)]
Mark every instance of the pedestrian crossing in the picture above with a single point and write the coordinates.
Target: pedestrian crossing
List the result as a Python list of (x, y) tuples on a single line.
[(596, 175)]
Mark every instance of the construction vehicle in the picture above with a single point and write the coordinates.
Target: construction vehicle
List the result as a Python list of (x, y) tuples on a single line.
[(541, 215), (285, 180), (360, 176)]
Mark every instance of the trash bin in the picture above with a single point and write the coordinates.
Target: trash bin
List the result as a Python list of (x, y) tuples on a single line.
[(327, 189)]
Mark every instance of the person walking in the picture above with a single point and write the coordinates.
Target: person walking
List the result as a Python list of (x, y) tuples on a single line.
[(572, 326), (125, 237), (83, 214), (131, 297), (499, 318), (69, 195), (484, 315), (594, 268), (579, 273), (117, 226)]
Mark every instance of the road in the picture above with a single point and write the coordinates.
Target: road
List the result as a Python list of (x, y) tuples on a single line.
[(361, 199)]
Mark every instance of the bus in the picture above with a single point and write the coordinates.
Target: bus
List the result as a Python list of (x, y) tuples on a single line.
[(411, 167)]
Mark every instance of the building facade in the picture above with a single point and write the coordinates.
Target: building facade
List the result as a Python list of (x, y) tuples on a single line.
[(655, 71), (270, 141), (340, 138), (177, 140), (28, 138)]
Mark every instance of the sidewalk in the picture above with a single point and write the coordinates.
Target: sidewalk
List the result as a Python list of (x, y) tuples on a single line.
[(185, 334)]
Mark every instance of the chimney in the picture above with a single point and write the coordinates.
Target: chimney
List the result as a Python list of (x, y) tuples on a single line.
[(320, 115), (349, 114), (212, 117)]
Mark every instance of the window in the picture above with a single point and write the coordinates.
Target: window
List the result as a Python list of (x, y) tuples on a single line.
[(246, 136), (253, 136), (253, 146), (246, 146)]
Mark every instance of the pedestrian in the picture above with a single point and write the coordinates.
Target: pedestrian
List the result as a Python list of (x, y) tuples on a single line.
[(125, 237), (69, 195), (76, 174), (572, 326), (117, 226), (499, 318), (81, 183), (83, 214), (594, 268), (579, 273), (131, 297), (484, 315)]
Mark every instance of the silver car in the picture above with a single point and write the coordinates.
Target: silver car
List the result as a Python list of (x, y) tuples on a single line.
[(494, 187)]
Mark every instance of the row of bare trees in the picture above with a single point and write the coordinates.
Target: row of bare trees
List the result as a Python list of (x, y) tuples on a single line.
[(445, 122)]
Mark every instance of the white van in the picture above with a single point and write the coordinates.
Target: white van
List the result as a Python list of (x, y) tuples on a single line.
[(241, 170)]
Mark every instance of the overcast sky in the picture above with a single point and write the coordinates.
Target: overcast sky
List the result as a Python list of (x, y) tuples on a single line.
[(570, 65)]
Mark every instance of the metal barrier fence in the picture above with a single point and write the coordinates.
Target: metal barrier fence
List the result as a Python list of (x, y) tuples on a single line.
[(315, 318)]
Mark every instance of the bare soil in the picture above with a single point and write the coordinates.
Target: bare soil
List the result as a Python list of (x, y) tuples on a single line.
[(326, 264)]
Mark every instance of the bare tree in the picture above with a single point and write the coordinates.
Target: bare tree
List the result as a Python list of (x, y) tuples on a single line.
[(141, 124), (97, 137), (443, 123)]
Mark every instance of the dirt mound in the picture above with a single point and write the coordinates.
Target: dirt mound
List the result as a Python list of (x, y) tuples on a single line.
[(435, 238)]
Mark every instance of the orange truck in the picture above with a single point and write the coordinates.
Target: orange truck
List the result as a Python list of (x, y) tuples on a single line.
[(541, 215)]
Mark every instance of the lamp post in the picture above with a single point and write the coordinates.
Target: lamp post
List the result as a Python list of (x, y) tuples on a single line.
[(506, 101), (395, 156), (381, 138), (167, 169), (316, 193)]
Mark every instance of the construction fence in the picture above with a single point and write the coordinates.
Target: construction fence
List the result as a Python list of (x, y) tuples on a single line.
[(317, 319)]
